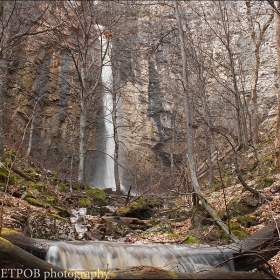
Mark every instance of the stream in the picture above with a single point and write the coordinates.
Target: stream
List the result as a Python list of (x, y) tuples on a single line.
[(93, 255)]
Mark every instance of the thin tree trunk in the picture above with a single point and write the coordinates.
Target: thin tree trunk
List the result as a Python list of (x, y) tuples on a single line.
[(116, 141), (256, 40), (277, 132), (30, 136), (189, 132), (3, 71), (82, 143)]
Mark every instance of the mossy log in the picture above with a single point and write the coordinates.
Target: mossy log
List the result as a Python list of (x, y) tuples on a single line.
[(26, 243), (13, 257)]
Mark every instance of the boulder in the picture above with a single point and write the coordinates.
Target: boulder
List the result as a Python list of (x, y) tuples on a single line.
[(50, 227)]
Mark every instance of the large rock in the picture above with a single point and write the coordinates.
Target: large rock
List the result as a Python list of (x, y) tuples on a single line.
[(51, 228)]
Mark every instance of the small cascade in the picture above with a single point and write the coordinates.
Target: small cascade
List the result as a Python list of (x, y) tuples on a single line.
[(103, 254)]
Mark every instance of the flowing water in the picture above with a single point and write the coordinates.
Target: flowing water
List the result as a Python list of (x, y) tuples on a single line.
[(93, 255)]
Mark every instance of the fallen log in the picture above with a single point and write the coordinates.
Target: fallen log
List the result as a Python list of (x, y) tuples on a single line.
[(26, 243), (17, 263), (258, 248)]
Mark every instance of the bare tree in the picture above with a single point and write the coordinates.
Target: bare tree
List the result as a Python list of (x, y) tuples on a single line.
[(277, 131), (257, 30), (189, 125)]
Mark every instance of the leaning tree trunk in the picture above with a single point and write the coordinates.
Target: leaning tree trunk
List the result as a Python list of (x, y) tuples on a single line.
[(189, 131), (277, 132)]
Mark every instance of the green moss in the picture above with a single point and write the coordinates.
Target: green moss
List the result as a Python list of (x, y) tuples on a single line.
[(172, 275), (97, 196), (237, 208), (4, 173), (50, 199), (58, 217), (240, 234), (137, 274), (63, 211), (41, 187), (122, 211), (269, 160), (236, 230), (4, 176), (7, 231), (139, 208), (64, 187), (247, 221), (191, 240), (55, 176), (264, 182), (176, 235), (35, 202), (84, 202)]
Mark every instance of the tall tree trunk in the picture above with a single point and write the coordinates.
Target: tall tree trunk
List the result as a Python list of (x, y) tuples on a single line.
[(3, 73), (189, 130), (116, 141), (277, 132)]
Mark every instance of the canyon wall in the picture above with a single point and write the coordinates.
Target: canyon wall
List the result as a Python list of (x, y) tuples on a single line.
[(42, 102)]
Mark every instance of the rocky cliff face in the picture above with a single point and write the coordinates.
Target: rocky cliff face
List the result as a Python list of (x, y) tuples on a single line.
[(42, 106)]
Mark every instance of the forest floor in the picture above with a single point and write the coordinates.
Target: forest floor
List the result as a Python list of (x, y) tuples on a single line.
[(48, 194), (15, 209)]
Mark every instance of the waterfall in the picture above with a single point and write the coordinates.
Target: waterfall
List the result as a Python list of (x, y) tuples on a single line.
[(104, 170), (109, 177), (93, 255)]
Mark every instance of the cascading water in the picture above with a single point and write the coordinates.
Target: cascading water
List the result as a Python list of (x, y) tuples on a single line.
[(109, 255)]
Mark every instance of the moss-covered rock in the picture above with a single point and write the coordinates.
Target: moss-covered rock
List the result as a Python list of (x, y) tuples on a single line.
[(97, 196), (137, 209), (235, 208)]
